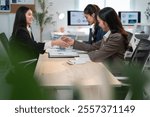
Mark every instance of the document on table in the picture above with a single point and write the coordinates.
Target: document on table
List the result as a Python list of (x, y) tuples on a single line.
[(83, 58), (62, 53)]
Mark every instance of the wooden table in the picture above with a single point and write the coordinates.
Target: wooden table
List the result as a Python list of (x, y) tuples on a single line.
[(93, 79)]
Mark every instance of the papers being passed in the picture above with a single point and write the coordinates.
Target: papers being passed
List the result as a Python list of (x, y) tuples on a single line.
[(62, 53)]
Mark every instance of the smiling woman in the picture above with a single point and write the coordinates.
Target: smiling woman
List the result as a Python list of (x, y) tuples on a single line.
[(22, 43)]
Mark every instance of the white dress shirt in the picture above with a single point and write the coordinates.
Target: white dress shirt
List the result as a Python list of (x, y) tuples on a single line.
[(106, 35), (47, 44)]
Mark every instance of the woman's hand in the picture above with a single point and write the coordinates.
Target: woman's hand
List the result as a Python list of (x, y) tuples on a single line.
[(59, 42)]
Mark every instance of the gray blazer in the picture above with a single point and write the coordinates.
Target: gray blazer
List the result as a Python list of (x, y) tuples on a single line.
[(110, 51)]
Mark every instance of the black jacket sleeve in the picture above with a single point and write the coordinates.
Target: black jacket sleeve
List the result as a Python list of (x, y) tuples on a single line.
[(23, 45)]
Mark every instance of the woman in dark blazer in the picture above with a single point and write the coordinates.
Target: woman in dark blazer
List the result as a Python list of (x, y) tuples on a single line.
[(112, 47), (96, 32), (22, 43)]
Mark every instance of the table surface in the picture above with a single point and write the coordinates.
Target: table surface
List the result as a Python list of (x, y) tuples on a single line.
[(93, 80), (57, 72)]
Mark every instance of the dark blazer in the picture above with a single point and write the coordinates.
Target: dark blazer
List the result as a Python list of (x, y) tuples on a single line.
[(97, 35), (110, 51), (24, 47)]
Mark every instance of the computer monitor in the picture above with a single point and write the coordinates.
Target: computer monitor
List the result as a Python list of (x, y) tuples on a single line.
[(76, 18), (129, 17)]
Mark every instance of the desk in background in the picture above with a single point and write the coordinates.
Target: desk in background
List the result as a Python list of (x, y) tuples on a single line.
[(94, 79), (74, 35)]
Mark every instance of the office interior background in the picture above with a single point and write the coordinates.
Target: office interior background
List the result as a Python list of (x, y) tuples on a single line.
[(62, 6), (57, 7)]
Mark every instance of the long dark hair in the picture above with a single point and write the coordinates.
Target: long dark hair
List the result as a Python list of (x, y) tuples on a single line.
[(110, 16), (91, 9), (20, 19)]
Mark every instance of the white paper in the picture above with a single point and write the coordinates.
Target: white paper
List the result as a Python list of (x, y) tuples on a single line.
[(83, 58), (62, 53)]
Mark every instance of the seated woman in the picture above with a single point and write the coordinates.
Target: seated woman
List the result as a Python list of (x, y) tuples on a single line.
[(24, 49), (112, 47), (22, 43), (96, 32)]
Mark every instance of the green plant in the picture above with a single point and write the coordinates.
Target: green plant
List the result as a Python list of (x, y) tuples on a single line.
[(42, 17)]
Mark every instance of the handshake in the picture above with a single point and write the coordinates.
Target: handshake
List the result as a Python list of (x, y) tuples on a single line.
[(63, 41)]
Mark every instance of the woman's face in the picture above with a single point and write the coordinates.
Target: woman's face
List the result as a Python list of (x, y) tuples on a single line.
[(90, 19), (103, 24), (29, 17)]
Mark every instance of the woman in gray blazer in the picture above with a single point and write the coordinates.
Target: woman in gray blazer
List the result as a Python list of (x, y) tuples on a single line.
[(112, 47)]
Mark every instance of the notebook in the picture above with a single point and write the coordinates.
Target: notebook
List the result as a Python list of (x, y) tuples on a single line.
[(62, 53)]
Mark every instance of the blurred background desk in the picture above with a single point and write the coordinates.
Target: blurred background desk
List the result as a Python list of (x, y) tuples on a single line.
[(93, 79), (74, 35)]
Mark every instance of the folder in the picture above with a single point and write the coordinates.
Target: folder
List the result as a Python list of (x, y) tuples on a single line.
[(62, 53)]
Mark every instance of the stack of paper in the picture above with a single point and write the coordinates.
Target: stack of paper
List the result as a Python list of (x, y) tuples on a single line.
[(62, 53), (83, 58)]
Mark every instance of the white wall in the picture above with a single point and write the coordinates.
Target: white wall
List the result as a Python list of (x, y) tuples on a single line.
[(140, 5), (6, 23), (60, 6), (6, 20)]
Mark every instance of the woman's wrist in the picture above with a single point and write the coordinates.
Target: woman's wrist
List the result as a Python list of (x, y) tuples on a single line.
[(54, 42), (73, 42)]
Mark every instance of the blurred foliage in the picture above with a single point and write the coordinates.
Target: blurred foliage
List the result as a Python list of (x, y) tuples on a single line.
[(42, 17), (136, 81), (17, 82)]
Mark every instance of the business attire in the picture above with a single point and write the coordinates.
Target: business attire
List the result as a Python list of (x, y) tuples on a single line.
[(95, 34), (23, 48), (109, 50), (23, 45)]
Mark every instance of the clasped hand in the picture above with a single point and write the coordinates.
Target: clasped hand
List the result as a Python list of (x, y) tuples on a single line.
[(63, 41), (67, 40)]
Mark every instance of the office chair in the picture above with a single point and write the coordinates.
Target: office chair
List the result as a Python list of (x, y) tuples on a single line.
[(16, 82), (141, 53), (140, 32), (5, 68), (4, 48), (138, 54), (139, 59), (4, 41)]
